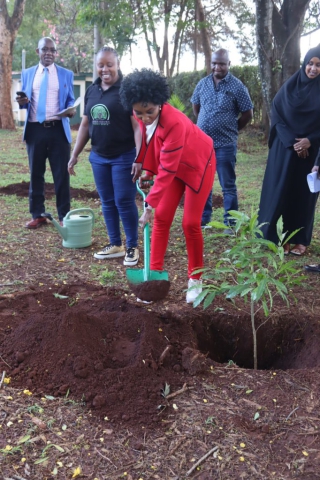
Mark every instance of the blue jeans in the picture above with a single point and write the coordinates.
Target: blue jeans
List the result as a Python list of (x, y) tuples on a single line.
[(117, 193), (226, 162)]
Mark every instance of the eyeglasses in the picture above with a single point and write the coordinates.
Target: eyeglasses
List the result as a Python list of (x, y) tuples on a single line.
[(51, 50)]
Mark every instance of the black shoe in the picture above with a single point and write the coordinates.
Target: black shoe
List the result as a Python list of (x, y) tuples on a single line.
[(313, 268)]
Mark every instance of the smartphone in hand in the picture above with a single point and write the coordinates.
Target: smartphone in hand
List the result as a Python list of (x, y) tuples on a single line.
[(21, 94)]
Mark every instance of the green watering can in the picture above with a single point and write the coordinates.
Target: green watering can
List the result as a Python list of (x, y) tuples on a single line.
[(146, 275), (77, 227)]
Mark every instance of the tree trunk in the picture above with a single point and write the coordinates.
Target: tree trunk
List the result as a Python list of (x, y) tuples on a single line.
[(177, 36), (264, 36), (254, 336), (278, 43), (145, 32), (205, 37), (165, 49), (8, 31)]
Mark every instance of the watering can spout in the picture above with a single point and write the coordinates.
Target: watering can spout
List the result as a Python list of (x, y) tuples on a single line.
[(62, 230)]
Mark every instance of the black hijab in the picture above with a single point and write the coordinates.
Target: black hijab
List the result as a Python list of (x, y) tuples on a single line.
[(296, 106)]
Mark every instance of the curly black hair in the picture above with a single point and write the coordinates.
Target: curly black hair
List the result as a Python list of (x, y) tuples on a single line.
[(144, 86)]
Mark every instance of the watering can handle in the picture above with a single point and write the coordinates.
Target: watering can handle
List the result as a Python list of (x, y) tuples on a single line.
[(81, 210)]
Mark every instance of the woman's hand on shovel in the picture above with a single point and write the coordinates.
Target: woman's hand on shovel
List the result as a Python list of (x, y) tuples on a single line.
[(136, 171), (145, 218)]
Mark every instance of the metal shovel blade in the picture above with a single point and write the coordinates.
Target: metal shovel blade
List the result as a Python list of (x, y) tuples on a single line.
[(138, 276)]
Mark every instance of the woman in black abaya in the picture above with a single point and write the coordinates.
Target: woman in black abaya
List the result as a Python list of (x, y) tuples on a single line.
[(294, 145)]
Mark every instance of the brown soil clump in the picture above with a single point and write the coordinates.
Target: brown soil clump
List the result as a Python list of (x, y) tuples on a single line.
[(151, 291), (96, 348), (22, 190)]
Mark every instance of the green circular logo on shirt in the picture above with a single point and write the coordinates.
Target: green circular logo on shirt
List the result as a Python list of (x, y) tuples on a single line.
[(100, 112)]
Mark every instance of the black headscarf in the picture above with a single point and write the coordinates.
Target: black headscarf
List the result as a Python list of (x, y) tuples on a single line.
[(296, 106)]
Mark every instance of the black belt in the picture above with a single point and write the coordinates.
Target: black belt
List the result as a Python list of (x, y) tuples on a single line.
[(49, 124)]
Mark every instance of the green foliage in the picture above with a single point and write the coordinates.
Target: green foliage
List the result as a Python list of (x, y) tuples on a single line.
[(183, 85), (175, 101), (108, 277), (312, 18), (250, 77), (115, 20), (253, 268), (59, 21)]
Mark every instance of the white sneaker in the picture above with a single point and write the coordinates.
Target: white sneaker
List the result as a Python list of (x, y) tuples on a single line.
[(132, 256), (110, 251), (194, 289)]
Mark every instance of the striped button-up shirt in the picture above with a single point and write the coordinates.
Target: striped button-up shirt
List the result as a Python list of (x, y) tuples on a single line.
[(52, 106)]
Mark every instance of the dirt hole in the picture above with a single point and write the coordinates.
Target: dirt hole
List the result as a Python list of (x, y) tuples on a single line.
[(283, 343)]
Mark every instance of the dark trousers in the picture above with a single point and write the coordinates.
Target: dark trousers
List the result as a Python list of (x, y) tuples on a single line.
[(226, 164), (48, 143)]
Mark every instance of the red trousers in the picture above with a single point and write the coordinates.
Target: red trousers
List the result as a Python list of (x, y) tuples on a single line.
[(191, 221)]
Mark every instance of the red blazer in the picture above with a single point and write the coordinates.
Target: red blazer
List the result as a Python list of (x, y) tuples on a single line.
[(177, 149)]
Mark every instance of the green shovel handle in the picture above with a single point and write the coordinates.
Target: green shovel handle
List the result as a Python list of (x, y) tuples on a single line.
[(146, 238)]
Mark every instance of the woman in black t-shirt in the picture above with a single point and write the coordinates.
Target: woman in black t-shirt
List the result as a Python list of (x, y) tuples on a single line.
[(115, 135)]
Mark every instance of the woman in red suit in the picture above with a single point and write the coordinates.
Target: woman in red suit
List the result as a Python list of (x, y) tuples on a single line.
[(182, 158)]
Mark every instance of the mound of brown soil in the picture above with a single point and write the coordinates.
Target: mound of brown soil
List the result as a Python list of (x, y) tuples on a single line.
[(22, 190), (97, 349)]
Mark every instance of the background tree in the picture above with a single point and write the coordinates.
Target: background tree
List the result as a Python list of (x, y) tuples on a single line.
[(169, 27), (74, 41), (214, 23), (10, 21), (115, 20), (278, 31)]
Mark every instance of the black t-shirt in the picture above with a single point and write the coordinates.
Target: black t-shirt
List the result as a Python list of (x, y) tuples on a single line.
[(110, 127)]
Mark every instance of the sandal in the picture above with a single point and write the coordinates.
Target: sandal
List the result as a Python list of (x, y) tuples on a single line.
[(298, 250), (286, 248)]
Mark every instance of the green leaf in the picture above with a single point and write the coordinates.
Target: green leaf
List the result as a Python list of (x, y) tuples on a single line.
[(24, 439), (176, 102), (166, 390), (259, 291), (280, 227), (53, 445), (249, 391), (238, 215), (209, 299), (57, 295), (256, 416), (219, 225), (246, 291), (49, 397), (40, 460)]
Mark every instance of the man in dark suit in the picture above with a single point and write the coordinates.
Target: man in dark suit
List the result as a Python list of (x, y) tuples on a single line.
[(49, 90)]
